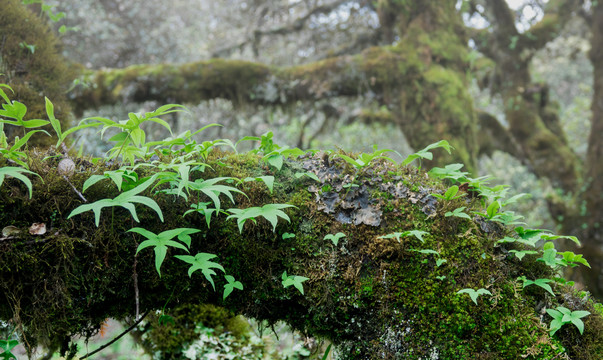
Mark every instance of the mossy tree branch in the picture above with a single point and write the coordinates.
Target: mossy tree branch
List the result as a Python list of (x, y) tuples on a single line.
[(372, 295)]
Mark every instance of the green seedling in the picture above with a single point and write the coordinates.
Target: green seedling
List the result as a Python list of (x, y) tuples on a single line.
[(334, 237), (473, 294), (270, 212), (563, 316), (201, 262), (293, 280), (161, 241), (230, 286)]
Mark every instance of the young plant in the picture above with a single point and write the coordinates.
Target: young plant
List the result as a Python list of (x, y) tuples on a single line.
[(117, 176), (293, 280), (268, 180), (450, 194), (201, 208), (543, 283), (126, 200), (473, 294), (563, 316), (270, 212), (201, 262), (230, 286), (426, 153), (161, 241), (56, 124), (458, 212), (334, 237), (17, 173), (308, 174), (439, 261), (450, 171), (131, 140), (365, 158), (7, 346)]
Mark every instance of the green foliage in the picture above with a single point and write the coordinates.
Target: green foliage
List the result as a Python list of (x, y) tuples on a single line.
[(334, 237), (450, 194), (7, 346), (563, 316), (270, 212), (274, 154), (426, 153), (17, 173), (288, 280), (56, 124), (268, 180), (308, 174), (201, 208), (543, 283), (365, 158), (450, 171), (458, 212), (161, 241), (117, 176), (130, 141), (231, 285), (201, 262), (126, 200), (473, 294)]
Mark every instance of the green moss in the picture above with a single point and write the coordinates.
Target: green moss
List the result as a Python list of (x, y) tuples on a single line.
[(33, 75)]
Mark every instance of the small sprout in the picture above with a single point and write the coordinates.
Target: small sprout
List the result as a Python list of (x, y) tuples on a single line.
[(294, 280), (473, 294), (563, 316), (232, 284), (334, 238)]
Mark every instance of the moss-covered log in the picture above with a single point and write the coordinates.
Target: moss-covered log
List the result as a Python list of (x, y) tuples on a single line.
[(377, 293)]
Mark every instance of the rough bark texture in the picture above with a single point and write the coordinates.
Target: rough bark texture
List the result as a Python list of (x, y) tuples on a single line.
[(375, 297)]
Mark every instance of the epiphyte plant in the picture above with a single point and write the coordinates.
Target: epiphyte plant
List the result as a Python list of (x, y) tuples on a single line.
[(288, 280), (473, 294), (161, 241), (334, 237), (563, 316), (125, 200), (270, 212)]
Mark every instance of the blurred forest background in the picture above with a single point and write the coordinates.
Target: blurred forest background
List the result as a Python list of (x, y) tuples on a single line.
[(509, 83)]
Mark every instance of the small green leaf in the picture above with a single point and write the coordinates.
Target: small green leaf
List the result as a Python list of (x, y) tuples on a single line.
[(474, 294), (17, 173), (7, 346), (288, 236), (294, 280), (334, 237), (308, 174), (230, 286), (201, 262)]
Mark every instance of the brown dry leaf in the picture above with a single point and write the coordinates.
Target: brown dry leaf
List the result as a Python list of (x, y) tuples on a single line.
[(10, 231), (37, 229)]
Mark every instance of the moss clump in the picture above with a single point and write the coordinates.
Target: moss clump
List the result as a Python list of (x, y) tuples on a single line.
[(33, 74), (373, 296)]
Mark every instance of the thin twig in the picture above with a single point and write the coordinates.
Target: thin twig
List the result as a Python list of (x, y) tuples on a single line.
[(74, 189), (118, 336)]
